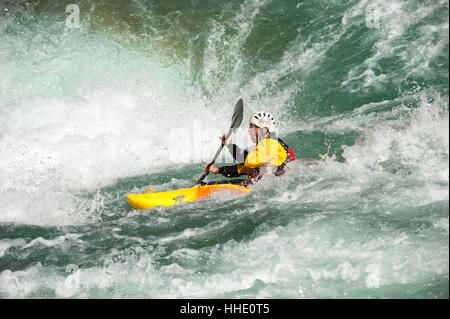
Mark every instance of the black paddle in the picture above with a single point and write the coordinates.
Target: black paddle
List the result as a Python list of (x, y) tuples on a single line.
[(235, 123)]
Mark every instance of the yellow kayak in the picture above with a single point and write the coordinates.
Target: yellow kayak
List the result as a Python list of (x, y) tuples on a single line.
[(199, 192)]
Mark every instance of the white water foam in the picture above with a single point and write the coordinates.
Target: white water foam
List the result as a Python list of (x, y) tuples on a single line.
[(388, 25), (52, 148)]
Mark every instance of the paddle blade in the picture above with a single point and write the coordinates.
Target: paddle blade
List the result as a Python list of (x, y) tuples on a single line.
[(238, 114)]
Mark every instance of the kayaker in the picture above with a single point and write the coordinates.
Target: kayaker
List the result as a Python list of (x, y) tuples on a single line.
[(270, 156)]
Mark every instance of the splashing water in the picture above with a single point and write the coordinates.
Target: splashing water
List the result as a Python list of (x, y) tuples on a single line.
[(89, 114)]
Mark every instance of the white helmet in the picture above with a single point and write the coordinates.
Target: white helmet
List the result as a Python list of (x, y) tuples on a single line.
[(263, 119)]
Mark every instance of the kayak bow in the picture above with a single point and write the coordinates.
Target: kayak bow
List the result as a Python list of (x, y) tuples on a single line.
[(148, 200)]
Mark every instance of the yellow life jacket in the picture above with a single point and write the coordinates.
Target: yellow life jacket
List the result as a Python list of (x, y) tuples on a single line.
[(271, 153)]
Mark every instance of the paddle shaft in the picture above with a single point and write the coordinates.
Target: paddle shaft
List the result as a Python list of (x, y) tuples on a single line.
[(215, 157)]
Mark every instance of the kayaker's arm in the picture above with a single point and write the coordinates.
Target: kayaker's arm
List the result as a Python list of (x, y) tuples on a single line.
[(227, 171), (239, 155)]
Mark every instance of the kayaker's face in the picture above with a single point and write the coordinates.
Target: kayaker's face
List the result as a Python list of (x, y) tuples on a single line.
[(253, 130)]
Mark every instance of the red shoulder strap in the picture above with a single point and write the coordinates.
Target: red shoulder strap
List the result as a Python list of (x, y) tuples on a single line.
[(291, 153)]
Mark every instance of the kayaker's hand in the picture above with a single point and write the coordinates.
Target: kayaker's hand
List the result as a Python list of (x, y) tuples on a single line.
[(225, 143), (213, 169)]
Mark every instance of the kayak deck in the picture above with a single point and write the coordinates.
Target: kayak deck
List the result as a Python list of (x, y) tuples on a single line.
[(169, 198)]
